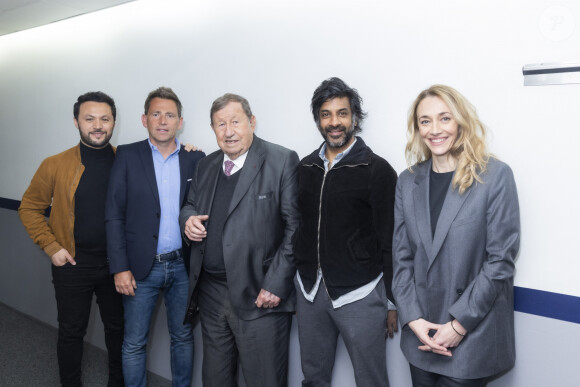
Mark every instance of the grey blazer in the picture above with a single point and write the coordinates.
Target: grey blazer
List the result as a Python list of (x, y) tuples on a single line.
[(464, 272), (262, 218)]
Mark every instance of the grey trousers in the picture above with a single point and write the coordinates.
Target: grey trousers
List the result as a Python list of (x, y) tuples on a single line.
[(361, 325), (261, 345)]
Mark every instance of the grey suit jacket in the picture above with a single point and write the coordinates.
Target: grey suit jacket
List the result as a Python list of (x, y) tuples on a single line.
[(465, 271), (262, 218)]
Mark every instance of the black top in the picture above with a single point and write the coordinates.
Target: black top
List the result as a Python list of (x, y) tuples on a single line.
[(438, 186), (213, 261), (90, 197)]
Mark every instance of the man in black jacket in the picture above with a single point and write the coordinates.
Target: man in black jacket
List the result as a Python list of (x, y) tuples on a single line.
[(342, 247)]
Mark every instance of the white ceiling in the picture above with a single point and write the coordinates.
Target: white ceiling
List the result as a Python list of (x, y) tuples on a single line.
[(18, 15)]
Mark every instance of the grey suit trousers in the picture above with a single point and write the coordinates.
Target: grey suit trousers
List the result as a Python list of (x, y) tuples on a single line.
[(361, 325), (261, 345)]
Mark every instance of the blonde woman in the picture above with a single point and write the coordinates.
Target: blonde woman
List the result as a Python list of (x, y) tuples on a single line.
[(457, 232)]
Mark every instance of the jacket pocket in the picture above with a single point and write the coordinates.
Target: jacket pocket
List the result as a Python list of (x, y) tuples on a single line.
[(361, 247), (464, 221), (264, 196)]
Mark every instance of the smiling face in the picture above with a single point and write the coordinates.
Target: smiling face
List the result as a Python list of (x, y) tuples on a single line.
[(162, 122), (336, 123), (233, 129), (95, 124), (439, 131)]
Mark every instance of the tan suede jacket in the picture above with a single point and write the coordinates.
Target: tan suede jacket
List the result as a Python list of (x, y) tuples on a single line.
[(55, 182)]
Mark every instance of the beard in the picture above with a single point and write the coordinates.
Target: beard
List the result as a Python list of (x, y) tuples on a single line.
[(338, 142), (103, 142)]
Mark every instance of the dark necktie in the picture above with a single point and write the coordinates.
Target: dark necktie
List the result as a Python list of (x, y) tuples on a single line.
[(229, 166)]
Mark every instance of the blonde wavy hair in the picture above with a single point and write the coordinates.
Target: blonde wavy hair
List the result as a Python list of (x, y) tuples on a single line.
[(469, 147)]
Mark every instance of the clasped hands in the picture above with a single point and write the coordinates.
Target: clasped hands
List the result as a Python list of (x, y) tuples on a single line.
[(445, 337)]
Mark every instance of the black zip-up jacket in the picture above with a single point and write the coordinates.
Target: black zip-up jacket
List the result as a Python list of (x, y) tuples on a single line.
[(346, 221)]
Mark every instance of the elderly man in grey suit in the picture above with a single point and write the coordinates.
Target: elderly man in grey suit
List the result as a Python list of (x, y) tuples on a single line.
[(240, 215)]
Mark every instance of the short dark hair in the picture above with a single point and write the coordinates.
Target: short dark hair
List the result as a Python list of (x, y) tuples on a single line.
[(222, 101), (163, 93), (336, 88), (94, 96)]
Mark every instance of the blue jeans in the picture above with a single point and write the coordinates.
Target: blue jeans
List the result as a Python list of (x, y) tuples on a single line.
[(171, 277)]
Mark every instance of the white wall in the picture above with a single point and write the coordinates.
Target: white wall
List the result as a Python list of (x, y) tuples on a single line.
[(276, 53)]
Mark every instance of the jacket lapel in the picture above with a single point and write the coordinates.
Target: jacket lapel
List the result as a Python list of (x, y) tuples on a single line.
[(183, 174), (149, 168), (421, 200), (451, 206), (214, 168), (252, 167)]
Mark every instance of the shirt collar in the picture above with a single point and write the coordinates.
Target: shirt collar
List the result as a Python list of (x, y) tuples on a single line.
[(338, 157), (154, 148), (238, 163)]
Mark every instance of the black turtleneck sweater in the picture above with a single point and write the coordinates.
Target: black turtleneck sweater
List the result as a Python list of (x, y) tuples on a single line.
[(438, 187), (90, 197)]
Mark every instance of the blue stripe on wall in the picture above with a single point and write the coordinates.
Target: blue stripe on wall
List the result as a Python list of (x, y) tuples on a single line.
[(532, 301), (12, 204), (547, 304), (9, 204)]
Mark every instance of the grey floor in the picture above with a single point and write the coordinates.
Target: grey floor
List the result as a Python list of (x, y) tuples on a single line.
[(28, 355)]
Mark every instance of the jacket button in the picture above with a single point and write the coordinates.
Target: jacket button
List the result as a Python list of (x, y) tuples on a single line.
[(201, 251), (460, 291), (158, 215), (155, 237)]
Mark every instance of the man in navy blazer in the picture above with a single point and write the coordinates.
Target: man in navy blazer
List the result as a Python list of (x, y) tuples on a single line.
[(241, 213), (148, 184)]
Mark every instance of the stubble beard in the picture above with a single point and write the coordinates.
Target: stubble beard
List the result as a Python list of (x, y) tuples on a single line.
[(86, 139), (348, 134)]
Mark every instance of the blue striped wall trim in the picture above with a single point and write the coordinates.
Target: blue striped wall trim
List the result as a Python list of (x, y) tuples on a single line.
[(537, 302), (547, 304), (12, 204), (9, 204)]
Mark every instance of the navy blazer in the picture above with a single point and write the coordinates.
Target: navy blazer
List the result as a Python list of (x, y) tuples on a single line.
[(261, 220), (133, 211), (465, 271)]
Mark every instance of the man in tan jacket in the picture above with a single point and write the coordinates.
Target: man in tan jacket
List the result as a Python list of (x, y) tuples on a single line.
[(74, 184)]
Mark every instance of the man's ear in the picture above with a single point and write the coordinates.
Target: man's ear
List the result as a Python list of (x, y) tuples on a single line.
[(76, 122)]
